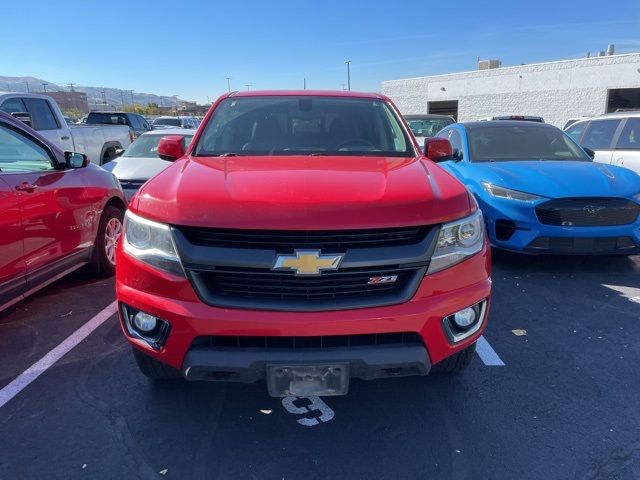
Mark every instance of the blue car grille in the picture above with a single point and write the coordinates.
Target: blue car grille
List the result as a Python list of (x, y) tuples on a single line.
[(588, 212)]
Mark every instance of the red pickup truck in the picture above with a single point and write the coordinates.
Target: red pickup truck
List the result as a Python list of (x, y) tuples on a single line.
[(302, 239), (58, 212)]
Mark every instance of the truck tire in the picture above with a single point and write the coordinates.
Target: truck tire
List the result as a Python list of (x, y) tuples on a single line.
[(153, 369), (104, 249), (457, 362), (109, 154)]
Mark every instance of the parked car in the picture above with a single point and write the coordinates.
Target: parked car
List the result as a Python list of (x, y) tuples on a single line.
[(175, 122), (302, 239), (58, 212), (41, 112), (137, 123), (427, 125), (573, 120), (614, 137), (540, 192), (140, 161), (524, 118)]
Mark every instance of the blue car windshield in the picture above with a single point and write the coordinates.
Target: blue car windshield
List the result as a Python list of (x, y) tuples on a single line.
[(512, 143)]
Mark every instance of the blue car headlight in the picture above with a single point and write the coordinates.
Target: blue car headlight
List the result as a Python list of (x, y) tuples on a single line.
[(502, 192)]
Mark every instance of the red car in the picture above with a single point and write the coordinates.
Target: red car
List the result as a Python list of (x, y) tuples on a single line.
[(304, 240), (58, 212)]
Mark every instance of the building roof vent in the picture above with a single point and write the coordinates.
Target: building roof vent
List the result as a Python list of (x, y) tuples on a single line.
[(489, 64)]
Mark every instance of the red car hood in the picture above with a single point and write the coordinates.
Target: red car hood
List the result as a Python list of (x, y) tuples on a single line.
[(302, 193)]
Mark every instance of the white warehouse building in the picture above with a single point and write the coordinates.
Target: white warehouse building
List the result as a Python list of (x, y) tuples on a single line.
[(555, 91)]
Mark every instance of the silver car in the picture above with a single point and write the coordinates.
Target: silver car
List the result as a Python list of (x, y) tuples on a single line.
[(140, 161), (614, 137)]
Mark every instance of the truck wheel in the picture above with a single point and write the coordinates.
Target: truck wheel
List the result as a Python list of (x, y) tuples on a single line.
[(153, 369), (456, 362), (109, 155), (104, 250)]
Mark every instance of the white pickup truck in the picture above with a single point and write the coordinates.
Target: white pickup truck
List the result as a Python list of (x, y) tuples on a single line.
[(98, 142)]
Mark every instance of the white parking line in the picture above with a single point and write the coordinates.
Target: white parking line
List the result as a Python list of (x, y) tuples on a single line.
[(487, 354), (34, 371)]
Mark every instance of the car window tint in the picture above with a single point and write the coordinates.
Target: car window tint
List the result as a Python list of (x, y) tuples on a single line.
[(575, 132), (599, 134), (630, 136), (21, 154), (42, 117), (13, 105)]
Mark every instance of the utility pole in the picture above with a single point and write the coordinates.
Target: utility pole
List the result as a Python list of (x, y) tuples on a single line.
[(122, 98), (348, 62), (27, 84), (304, 83), (228, 84), (44, 86), (104, 97), (248, 85), (131, 92), (71, 86), (175, 98)]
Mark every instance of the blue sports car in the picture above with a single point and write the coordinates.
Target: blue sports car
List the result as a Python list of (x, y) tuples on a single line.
[(539, 191)]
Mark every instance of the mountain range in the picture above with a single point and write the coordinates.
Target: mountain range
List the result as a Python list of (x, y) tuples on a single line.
[(115, 97)]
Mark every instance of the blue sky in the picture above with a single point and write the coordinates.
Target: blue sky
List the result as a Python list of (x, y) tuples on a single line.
[(189, 47)]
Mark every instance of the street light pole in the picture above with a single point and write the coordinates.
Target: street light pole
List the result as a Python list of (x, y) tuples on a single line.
[(248, 85), (228, 84), (44, 86), (348, 62)]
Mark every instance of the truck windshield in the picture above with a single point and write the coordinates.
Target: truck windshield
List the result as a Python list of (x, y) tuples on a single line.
[(508, 143), (304, 125), (147, 146)]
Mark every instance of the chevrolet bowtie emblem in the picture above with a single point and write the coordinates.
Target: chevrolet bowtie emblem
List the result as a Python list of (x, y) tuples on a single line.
[(307, 262)]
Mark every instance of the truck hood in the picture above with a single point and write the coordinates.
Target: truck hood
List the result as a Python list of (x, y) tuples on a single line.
[(302, 193), (553, 179)]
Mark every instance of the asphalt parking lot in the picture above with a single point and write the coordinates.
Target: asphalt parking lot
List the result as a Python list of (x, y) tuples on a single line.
[(564, 405)]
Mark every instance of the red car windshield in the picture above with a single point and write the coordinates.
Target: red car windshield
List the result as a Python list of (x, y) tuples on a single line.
[(304, 125)]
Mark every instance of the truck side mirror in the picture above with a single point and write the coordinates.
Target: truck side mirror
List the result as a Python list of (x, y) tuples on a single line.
[(170, 148), (438, 149), (24, 117)]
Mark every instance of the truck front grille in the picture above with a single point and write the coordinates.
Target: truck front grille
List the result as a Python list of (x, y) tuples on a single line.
[(312, 342), (285, 241), (588, 212), (235, 268)]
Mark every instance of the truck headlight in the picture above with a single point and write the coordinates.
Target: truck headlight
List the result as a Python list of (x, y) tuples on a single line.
[(501, 192), (457, 241), (150, 242)]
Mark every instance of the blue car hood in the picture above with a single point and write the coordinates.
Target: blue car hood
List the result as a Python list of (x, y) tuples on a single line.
[(554, 179)]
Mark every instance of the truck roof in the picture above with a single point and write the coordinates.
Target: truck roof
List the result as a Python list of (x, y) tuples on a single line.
[(307, 93)]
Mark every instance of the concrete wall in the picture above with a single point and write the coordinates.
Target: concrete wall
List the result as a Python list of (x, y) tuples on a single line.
[(556, 90)]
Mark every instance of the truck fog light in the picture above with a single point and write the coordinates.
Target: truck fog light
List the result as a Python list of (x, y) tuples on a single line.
[(464, 318), (145, 322), (143, 326), (465, 323)]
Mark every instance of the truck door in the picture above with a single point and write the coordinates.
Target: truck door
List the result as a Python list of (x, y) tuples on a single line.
[(627, 152), (12, 264), (57, 215), (599, 136), (48, 124)]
